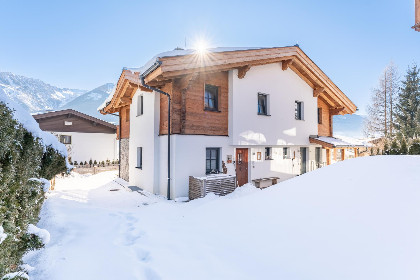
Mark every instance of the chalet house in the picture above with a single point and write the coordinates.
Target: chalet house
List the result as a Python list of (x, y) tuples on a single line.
[(85, 137), (417, 16), (253, 113)]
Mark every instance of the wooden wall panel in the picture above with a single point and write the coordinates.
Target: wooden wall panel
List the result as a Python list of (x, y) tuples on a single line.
[(188, 115), (56, 124), (325, 129), (125, 122)]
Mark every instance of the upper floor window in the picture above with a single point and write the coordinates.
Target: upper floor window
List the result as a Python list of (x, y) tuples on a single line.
[(262, 104), (299, 110), (319, 115), (212, 160), (139, 157), (268, 154), (211, 96), (285, 152), (65, 139), (140, 105)]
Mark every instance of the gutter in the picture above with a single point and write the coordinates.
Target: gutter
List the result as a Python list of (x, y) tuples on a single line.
[(142, 76)]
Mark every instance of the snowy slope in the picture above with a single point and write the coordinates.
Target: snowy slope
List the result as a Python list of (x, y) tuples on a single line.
[(88, 103), (356, 219), (35, 95), (349, 125)]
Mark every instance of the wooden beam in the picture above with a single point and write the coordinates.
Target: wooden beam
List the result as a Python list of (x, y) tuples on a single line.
[(286, 63), (328, 156), (336, 110), (318, 91), (242, 71), (343, 154)]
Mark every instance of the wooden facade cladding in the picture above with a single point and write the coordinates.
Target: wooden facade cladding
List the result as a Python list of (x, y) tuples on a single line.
[(325, 128), (125, 121), (73, 121), (417, 16), (188, 115)]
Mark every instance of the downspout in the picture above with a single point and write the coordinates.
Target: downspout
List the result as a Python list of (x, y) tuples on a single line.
[(144, 74), (119, 144)]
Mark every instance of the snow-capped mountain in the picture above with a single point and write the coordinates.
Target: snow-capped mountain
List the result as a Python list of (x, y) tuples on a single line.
[(88, 103), (33, 94), (349, 125)]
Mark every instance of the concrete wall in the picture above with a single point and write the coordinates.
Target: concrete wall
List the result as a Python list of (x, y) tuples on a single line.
[(95, 146), (283, 88)]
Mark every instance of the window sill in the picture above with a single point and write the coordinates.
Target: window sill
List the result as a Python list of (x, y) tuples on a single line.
[(139, 115), (139, 167), (266, 115), (211, 110), (299, 120)]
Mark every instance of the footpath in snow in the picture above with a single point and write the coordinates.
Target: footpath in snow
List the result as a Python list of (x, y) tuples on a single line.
[(357, 219)]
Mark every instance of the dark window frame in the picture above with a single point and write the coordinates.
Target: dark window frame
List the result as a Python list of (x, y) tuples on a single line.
[(262, 110), (285, 152), (319, 115), (139, 158), (211, 160), (140, 105), (208, 89), (63, 141), (268, 153), (299, 110)]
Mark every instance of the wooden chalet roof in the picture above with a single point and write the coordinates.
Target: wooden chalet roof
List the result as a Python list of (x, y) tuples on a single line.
[(52, 121), (169, 67), (333, 142)]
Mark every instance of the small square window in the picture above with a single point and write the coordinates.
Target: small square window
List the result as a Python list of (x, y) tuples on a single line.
[(298, 110), (262, 104), (139, 157), (140, 105), (319, 115), (211, 97), (65, 139), (285, 152), (268, 155), (212, 160)]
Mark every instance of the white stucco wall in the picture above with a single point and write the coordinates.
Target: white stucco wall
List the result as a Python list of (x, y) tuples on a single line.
[(95, 146), (283, 88), (144, 130)]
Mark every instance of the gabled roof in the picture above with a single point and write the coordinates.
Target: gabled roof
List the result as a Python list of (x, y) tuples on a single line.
[(164, 67), (334, 142), (71, 112)]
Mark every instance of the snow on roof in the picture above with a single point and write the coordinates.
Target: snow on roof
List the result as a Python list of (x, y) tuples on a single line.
[(30, 124), (342, 141)]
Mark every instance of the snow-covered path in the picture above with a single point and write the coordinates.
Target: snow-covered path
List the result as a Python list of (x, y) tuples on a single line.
[(357, 219), (93, 231)]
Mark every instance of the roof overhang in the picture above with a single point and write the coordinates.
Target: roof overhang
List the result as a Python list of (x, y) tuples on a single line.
[(291, 58), (334, 143)]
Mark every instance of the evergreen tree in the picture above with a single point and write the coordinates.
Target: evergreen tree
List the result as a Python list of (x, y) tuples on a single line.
[(408, 109), (403, 146), (415, 147), (394, 150), (90, 162)]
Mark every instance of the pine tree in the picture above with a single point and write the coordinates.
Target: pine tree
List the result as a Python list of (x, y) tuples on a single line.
[(395, 150), (415, 147), (403, 146), (408, 109)]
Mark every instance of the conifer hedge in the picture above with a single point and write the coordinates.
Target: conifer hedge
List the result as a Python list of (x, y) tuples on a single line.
[(21, 157)]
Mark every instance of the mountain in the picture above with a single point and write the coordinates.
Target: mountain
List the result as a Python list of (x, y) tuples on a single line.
[(349, 125), (88, 103), (35, 95)]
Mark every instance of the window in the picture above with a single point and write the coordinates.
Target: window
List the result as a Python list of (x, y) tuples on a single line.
[(319, 115), (262, 104), (299, 110), (140, 105), (139, 157), (268, 153), (127, 115), (211, 96), (285, 152), (65, 139), (212, 160), (318, 157)]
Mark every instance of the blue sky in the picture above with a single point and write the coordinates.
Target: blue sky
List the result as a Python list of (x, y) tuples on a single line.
[(84, 44)]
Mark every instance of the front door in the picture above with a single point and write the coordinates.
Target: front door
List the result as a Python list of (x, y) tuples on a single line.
[(302, 160), (242, 166)]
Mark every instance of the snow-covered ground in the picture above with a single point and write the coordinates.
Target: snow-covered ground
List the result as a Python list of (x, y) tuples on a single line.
[(357, 219)]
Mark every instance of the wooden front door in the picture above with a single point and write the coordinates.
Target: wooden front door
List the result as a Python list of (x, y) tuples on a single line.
[(242, 166)]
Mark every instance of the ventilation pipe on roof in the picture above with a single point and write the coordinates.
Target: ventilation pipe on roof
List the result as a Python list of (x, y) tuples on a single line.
[(144, 74)]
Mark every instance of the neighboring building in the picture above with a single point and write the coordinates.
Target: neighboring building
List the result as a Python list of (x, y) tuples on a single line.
[(254, 113), (417, 16), (85, 137)]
